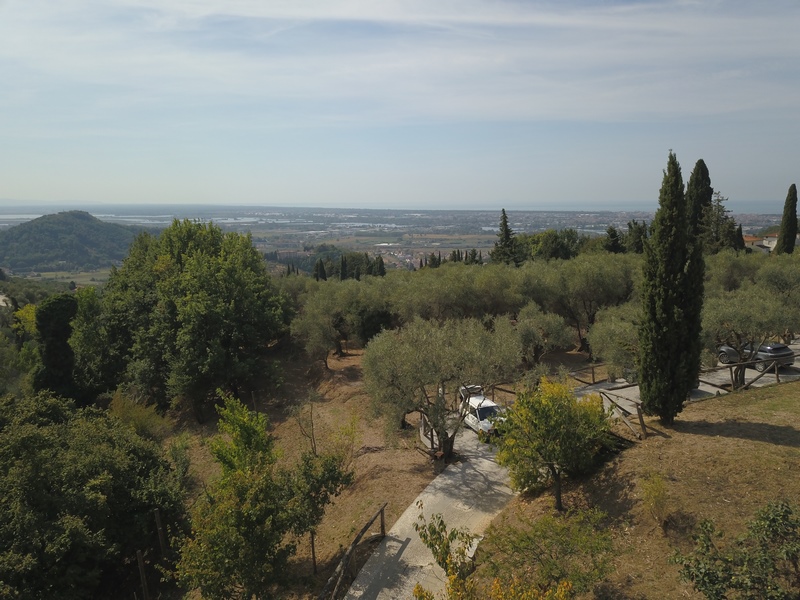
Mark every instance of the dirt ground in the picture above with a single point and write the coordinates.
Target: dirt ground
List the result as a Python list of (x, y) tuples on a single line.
[(724, 459)]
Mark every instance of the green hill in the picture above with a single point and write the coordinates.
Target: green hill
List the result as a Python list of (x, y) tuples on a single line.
[(73, 240)]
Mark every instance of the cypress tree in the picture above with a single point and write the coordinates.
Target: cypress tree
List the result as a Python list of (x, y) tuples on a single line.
[(739, 239), (788, 231), (666, 360), (380, 268), (343, 269), (319, 270), (698, 199)]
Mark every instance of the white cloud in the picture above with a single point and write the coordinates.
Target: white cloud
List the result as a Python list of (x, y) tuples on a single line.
[(414, 60)]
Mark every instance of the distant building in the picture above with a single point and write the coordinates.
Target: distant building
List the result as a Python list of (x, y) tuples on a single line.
[(763, 243)]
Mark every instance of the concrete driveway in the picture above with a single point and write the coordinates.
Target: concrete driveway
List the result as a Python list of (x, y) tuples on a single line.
[(469, 493)]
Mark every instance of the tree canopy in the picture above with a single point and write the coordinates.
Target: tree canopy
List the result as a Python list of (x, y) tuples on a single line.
[(412, 368), (77, 493), (547, 433), (669, 342), (244, 530), (188, 312)]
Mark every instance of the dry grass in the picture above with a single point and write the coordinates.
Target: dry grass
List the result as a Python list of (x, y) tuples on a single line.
[(386, 469), (723, 460)]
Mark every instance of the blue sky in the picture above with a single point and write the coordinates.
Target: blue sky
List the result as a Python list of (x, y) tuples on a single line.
[(390, 104)]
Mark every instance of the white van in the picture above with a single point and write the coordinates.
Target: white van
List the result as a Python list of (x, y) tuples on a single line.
[(480, 413)]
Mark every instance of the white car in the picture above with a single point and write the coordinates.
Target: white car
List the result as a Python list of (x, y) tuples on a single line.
[(480, 413)]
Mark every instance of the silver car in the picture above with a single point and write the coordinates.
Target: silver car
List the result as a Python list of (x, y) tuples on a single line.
[(769, 352)]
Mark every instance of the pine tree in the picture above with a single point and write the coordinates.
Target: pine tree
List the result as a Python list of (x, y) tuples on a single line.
[(667, 361), (505, 248), (788, 231), (613, 242)]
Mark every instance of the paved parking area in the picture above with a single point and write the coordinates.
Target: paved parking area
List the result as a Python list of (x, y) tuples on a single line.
[(711, 383)]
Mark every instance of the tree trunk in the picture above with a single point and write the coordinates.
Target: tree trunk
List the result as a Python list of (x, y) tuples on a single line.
[(556, 487), (447, 445), (738, 377)]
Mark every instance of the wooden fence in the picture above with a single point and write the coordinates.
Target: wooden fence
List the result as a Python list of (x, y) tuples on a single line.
[(335, 580)]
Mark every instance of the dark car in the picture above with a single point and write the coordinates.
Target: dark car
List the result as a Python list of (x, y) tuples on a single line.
[(769, 353)]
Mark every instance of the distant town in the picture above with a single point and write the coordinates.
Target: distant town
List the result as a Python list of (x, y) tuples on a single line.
[(324, 222)]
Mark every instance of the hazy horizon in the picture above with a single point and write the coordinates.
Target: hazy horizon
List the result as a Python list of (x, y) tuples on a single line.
[(7, 207)]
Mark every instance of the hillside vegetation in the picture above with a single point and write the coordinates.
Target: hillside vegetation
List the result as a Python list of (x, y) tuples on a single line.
[(723, 460), (73, 240)]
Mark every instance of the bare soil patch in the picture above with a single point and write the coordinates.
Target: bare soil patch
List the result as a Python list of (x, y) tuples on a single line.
[(387, 467)]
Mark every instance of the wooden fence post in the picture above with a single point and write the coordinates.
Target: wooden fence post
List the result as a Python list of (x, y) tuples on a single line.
[(140, 560), (162, 539), (313, 554)]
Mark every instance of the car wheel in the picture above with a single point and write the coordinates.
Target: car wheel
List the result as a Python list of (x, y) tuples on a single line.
[(724, 358), (761, 367)]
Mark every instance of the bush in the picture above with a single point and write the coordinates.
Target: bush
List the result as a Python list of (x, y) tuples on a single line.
[(762, 564)]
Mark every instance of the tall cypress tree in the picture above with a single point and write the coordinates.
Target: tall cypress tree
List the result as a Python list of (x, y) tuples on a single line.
[(667, 368), (699, 194), (788, 232)]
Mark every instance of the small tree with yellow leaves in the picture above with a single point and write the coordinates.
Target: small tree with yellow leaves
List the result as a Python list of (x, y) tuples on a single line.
[(548, 433)]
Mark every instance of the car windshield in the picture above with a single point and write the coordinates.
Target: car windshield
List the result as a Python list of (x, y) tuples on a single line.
[(486, 412)]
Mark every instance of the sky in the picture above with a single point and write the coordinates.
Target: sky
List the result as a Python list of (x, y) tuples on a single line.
[(434, 104)]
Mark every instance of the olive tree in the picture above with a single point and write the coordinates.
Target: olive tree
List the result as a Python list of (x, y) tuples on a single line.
[(412, 369), (744, 320)]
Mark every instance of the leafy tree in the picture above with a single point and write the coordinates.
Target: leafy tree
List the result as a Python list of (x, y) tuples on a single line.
[(614, 338), (729, 271), (612, 243), (412, 369), (577, 289), (94, 372), (450, 551), (243, 531), (668, 336), (762, 564), (548, 551), (77, 493), (540, 332), (551, 244), (745, 319), (548, 433), (788, 232), (12, 366), (190, 311), (636, 236), (505, 248), (340, 310), (719, 230)]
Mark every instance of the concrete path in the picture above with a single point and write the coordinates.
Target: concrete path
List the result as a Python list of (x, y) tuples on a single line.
[(468, 494)]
